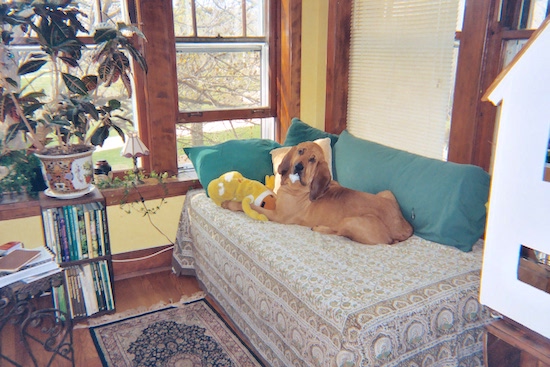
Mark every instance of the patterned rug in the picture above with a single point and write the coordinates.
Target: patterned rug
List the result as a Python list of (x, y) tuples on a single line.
[(188, 335)]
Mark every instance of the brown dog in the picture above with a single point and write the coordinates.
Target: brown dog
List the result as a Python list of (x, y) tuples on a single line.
[(309, 197)]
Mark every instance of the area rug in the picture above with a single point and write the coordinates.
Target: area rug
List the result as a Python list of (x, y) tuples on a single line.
[(187, 335)]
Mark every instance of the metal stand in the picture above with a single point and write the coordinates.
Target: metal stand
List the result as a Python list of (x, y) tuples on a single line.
[(46, 333)]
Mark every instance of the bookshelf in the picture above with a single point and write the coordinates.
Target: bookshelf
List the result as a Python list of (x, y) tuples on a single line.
[(77, 232)]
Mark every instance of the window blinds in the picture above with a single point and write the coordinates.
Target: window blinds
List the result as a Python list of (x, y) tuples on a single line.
[(402, 73)]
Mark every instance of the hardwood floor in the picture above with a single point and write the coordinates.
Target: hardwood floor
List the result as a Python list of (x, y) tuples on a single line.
[(132, 293)]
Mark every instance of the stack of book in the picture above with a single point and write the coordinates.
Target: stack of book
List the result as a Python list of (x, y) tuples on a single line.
[(89, 290), (27, 265), (76, 232)]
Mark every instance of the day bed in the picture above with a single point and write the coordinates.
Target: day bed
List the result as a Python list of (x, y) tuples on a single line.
[(307, 299)]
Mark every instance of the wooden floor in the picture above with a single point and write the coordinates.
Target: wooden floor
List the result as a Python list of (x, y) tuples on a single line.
[(143, 291)]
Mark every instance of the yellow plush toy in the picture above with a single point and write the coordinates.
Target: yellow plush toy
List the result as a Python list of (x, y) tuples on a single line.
[(232, 186)]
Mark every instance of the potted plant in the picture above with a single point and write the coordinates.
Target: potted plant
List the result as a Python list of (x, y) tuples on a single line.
[(61, 123)]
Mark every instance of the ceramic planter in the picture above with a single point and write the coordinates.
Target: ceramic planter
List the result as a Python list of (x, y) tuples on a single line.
[(68, 176)]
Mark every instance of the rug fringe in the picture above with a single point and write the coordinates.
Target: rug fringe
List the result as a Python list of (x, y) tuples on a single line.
[(105, 319)]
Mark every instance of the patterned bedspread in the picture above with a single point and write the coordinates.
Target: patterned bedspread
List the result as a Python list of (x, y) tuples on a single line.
[(308, 299)]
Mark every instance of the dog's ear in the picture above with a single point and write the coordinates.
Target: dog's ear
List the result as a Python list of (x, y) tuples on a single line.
[(284, 167), (320, 182)]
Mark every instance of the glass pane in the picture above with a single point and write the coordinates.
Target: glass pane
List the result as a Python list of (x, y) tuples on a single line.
[(212, 133), (223, 18), (538, 12), (219, 18), (530, 14), (460, 18), (511, 48), (183, 18), (101, 11), (219, 80), (255, 21)]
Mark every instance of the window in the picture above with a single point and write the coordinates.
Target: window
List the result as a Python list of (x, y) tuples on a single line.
[(223, 68), (402, 64)]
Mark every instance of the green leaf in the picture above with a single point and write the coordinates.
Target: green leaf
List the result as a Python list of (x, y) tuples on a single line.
[(74, 84), (71, 61), (119, 131), (105, 34), (29, 110), (58, 120), (138, 57), (31, 66), (12, 82), (114, 104), (100, 135), (90, 109)]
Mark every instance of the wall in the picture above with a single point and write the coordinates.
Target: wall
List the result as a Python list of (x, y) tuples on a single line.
[(128, 232), (314, 62)]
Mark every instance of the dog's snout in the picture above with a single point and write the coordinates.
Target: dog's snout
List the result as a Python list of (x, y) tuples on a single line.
[(298, 167)]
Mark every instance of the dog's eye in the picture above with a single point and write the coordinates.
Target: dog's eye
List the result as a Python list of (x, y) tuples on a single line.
[(300, 151), (312, 160)]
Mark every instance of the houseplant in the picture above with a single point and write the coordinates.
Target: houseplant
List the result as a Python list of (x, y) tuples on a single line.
[(75, 112)]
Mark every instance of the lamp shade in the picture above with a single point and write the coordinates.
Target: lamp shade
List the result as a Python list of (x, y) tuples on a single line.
[(134, 147)]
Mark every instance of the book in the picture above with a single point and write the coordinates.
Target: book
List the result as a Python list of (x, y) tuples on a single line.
[(43, 267), (8, 247), (98, 284), (82, 232), (69, 225), (104, 270), (36, 277), (16, 259), (88, 289), (63, 237), (45, 255)]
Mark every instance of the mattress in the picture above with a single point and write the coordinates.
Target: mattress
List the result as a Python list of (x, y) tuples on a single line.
[(308, 299)]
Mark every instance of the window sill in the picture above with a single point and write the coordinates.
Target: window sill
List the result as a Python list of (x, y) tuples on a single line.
[(24, 206)]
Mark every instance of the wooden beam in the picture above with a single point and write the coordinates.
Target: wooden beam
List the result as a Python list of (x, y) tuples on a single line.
[(473, 121), (289, 59), (338, 47), (158, 126)]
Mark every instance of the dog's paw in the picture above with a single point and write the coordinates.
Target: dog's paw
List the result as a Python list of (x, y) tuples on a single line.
[(323, 229)]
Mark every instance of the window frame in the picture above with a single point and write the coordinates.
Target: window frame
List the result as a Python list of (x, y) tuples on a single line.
[(156, 91), (238, 113)]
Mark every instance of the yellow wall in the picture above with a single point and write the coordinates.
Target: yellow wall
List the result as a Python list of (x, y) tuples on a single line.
[(314, 61), (26, 230), (133, 231), (128, 232)]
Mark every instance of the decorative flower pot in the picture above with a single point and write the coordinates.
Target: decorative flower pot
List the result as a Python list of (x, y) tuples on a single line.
[(68, 176)]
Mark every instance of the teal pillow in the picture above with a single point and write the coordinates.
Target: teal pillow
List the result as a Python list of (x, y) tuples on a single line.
[(250, 157), (444, 201), (299, 132)]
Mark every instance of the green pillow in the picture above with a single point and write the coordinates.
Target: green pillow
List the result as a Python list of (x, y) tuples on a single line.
[(444, 201), (250, 157), (299, 132)]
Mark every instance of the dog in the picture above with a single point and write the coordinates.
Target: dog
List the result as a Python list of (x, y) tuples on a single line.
[(308, 196)]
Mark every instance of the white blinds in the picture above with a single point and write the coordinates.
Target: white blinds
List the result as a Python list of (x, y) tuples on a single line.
[(402, 73)]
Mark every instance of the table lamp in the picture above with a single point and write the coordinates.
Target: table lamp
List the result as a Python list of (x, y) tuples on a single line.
[(134, 148)]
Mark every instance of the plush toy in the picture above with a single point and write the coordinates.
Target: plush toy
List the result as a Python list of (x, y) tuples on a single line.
[(232, 186)]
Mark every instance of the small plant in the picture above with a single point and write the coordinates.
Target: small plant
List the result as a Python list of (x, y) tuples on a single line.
[(18, 172), (128, 182)]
